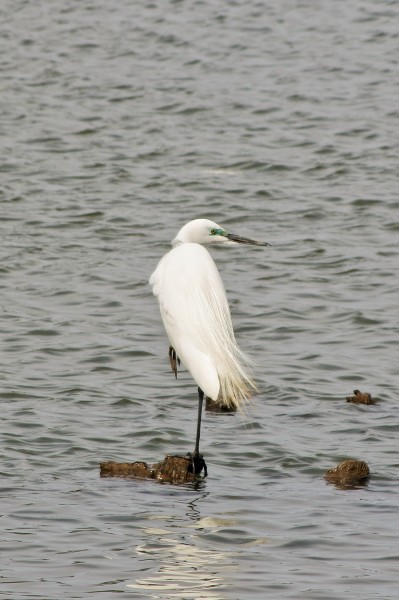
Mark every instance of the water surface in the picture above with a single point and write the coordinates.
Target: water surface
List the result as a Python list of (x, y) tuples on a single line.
[(119, 123)]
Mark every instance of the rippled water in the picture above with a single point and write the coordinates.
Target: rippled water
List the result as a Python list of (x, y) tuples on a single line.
[(119, 123)]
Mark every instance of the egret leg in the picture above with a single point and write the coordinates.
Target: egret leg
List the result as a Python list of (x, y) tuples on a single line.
[(197, 460), (200, 402), (174, 360)]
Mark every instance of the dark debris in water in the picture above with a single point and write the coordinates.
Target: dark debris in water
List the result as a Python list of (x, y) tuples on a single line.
[(348, 474), (173, 469), (360, 398), (215, 406)]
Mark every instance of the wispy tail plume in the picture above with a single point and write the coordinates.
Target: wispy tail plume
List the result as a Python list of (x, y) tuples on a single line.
[(237, 386)]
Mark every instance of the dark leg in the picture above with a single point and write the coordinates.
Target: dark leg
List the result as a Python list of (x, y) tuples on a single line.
[(197, 459), (174, 360), (200, 402)]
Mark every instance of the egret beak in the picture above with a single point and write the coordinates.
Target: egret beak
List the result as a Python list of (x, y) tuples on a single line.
[(238, 239)]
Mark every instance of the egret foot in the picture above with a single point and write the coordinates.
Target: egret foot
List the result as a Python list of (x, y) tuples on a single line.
[(197, 463), (174, 360)]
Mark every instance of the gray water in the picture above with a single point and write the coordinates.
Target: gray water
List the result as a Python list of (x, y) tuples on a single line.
[(121, 121)]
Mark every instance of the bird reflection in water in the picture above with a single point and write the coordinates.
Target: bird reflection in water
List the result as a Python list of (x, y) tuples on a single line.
[(187, 569)]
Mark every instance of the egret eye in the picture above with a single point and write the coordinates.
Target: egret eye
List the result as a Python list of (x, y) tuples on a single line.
[(215, 231)]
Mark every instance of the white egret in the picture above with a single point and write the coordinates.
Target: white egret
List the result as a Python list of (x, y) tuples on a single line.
[(196, 316)]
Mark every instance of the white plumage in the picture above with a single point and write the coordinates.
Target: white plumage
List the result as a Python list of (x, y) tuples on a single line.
[(196, 314)]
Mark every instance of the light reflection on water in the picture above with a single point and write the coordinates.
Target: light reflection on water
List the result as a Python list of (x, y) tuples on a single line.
[(186, 570), (188, 566)]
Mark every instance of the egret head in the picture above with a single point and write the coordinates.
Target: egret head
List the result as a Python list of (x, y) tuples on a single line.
[(203, 231)]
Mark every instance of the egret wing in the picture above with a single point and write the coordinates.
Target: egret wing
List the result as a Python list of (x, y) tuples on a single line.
[(196, 317)]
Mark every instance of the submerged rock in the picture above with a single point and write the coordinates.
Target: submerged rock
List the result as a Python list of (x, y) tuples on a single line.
[(360, 398), (173, 469), (348, 473), (215, 406)]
